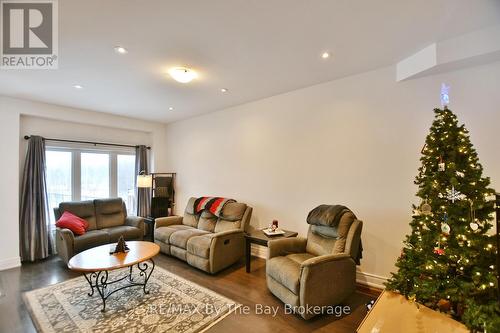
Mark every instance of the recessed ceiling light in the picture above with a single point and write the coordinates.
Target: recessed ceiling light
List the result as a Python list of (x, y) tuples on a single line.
[(120, 50), (182, 74), (77, 86), (325, 55), (171, 108), (223, 90)]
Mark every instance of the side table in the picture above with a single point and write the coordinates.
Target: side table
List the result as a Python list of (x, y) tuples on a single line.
[(260, 238), (150, 228)]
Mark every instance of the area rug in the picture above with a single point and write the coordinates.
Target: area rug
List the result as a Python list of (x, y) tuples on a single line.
[(173, 304)]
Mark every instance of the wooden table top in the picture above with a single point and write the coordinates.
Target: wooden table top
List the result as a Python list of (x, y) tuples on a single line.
[(394, 313), (258, 236), (99, 259)]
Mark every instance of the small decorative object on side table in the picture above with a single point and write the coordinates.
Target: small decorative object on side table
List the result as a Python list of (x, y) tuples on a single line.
[(260, 238), (150, 223)]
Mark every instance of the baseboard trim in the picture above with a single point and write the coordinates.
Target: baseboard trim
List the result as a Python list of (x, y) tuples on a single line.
[(10, 263), (364, 278), (371, 280)]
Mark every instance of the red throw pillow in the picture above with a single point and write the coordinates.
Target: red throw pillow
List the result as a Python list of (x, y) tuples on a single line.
[(72, 222)]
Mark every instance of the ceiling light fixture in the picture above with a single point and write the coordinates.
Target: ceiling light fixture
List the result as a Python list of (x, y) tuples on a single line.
[(325, 55), (120, 50), (171, 108), (182, 74), (223, 90), (77, 86)]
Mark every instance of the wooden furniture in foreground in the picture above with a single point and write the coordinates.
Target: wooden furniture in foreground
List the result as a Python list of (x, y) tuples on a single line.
[(95, 264), (150, 228), (260, 238), (392, 312)]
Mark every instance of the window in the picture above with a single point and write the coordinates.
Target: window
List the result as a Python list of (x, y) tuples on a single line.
[(125, 183), (75, 174), (95, 176)]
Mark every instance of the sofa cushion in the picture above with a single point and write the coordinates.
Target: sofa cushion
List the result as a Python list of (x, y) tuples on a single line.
[(207, 221), (231, 216), (83, 209), (109, 212), (200, 245), (285, 271), (163, 233), (90, 239), (190, 206), (190, 220), (128, 232), (233, 211), (299, 258), (178, 252), (224, 225), (180, 238)]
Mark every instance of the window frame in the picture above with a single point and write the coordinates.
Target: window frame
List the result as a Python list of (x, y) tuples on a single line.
[(76, 153)]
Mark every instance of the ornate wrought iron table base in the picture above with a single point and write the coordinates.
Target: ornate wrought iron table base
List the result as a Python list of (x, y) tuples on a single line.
[(99, 280)]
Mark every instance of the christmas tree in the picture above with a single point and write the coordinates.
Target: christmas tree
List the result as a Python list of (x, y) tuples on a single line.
[(448, 261)]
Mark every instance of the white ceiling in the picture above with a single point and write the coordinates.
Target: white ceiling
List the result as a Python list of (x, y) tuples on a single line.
[(255, 48)]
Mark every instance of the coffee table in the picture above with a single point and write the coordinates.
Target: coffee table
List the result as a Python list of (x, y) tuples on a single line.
[(260, 238), (96, 263)]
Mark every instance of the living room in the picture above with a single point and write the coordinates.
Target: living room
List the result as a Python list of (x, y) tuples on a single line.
[(270, 165)]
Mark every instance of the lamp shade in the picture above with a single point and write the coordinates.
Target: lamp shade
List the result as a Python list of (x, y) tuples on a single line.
[(144, 181)]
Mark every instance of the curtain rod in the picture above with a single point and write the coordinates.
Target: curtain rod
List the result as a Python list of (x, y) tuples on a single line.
[(26, 137)]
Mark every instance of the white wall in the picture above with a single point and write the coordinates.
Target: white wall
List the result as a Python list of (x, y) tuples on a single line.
[(354, 141), (21, 117)]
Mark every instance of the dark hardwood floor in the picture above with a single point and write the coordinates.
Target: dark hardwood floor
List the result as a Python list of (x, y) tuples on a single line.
[(246, 288)]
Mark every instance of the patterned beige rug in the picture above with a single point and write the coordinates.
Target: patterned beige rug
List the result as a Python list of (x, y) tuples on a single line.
[(172, 305)]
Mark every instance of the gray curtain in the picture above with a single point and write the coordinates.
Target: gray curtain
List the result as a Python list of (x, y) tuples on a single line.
[(35, 236), (143, 194)]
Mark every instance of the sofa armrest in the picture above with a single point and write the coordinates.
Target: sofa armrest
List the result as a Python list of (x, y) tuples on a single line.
[(227, 233), (327, 279), (166, 221), (226, 248), (285, 246), (65, 242), (325, 259), (135, 221)]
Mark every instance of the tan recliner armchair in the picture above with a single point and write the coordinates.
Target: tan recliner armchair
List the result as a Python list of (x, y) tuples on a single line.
[(319, 270)]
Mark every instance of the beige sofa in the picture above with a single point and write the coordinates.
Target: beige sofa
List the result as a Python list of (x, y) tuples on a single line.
[(205, 241), (107, 220), (319, 270)]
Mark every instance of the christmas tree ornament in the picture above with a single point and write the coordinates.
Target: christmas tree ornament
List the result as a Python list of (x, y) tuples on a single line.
[(460, 174), (474, 226), (425, 208), (444, 305), (441, 164), (438, 251), (445, 95), (445, 228), (454, 195)]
